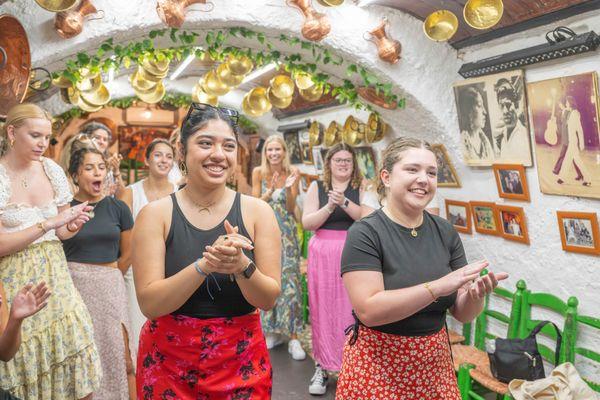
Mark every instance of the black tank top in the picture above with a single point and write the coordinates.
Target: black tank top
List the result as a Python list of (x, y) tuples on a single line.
[(339, 220), (218, 296)]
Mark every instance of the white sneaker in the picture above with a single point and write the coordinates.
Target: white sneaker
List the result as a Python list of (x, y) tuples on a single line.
[(273, 340), (296, 350), (318, 383)]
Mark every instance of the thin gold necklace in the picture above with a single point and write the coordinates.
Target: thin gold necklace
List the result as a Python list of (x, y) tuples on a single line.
[(201, 207), (413, 230)]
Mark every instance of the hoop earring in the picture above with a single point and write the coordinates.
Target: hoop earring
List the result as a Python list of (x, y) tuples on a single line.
[(183, 168), (11, 142)]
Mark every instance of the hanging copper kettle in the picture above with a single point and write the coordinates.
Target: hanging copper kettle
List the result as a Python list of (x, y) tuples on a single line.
[(388, 49), (172, 12), (69, 23), (316, 25)]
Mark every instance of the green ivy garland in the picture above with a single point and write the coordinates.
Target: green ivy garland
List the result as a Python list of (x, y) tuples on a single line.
[(176, 100), (113, 56)]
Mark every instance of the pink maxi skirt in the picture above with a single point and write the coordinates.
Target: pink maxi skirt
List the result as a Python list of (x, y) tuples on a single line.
[(330, 308)]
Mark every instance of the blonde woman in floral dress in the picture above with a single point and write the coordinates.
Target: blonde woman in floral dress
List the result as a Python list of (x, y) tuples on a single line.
[(58, 358)]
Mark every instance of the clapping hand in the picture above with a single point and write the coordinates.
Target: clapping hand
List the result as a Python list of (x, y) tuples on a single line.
[(291, 179), (114, 162), (336, 198), (274, 179), (73, 217), (485, 284), (225, 255), (29, 300)]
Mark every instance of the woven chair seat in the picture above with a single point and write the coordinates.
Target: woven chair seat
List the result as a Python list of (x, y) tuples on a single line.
[(481, 373), (455, 338)]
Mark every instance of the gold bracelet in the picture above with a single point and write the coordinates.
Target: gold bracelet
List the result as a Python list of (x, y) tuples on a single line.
[(426, 284), (42, 227)]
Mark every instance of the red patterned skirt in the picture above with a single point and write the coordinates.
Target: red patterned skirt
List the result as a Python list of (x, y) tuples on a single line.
[(391, 367), (187, 358)]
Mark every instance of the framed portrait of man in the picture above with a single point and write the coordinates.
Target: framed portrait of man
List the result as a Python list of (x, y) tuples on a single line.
[(492, 118), (564, 118)]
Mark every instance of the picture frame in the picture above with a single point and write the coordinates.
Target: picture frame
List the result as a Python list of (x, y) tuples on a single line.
[(566, 136), (293, 147), (513, 225), (365, 158), (317, 159), (511, 181), (485, 217), (458, 213), (447, 176), (493, 119), (579, 232), (306, 152)]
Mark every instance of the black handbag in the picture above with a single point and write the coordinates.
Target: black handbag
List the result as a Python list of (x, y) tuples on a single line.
[(520, 358)]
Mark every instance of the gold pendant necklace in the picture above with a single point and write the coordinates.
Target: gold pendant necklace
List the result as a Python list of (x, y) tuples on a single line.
[(414, 233), (200, 207)]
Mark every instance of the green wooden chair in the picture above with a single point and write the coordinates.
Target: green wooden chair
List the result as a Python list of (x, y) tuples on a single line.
[(461, 338), (472, 362), (576, 350)]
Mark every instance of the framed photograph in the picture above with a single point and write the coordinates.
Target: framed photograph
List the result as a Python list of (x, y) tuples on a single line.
[(458, 213), (512, 223), (307, 157), (579, 232), (133, 140), (317, 156), (293, 147), (485, 217), (492, 118), (447, 176), (366, 161), (511, 181), (306, 180), (564, 118)]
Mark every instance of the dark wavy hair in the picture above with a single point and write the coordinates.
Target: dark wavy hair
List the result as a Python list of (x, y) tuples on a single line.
[(77, 158), (356, 179)]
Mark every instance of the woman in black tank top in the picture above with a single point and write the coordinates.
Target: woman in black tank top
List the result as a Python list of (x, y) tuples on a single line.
[(204, 260)]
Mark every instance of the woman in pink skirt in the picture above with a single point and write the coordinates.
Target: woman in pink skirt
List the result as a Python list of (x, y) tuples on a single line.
[(330, 208)]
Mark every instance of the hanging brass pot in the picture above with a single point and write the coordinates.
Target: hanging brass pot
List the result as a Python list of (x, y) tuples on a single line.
[(330, 3), (315, 134), (258, 100), (370, 94), (248, 110), (61, 82), (90, 81), (333, 134), (213, 86), (57, 5), (387, 49), (225, 75), (69, 23), (282, 86), (313, 93), (278, 102), (99, 97), (138, 82), (303, 80), (240, 65), (158, 69), (350, 132), (199, 96), (440, 25), (316, 25), (375, 129), (153, 96), (483, 14)]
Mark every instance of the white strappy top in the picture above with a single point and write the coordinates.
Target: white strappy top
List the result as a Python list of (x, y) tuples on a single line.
[(16, 217), (139, 197)]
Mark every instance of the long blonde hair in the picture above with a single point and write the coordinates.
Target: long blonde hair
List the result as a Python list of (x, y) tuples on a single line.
[(392, 154), (16, 117), (265, 165)]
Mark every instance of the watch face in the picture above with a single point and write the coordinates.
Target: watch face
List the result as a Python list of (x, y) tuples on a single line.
[(249, 270)]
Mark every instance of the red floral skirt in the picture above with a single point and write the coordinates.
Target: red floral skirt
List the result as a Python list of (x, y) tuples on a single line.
[(187, 358), (391, 367)]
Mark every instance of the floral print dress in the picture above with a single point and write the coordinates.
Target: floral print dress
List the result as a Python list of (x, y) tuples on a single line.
[(286, 317)]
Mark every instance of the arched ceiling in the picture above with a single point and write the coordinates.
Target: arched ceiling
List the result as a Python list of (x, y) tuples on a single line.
[(518, 15)]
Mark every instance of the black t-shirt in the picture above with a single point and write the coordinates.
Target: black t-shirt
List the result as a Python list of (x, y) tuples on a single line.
[(100, 238), (376, 243)]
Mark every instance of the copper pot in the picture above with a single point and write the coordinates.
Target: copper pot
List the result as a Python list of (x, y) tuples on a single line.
[(316, 25), (388, 49), (69, 23), (172, 12)]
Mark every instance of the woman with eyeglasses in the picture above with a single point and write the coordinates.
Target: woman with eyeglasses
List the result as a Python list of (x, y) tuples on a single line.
[(159, 160), (331, 206), (97, 257), (276, 182), (58, 358), (204, 259)]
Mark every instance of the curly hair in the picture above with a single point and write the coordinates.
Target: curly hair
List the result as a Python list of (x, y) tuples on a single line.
[(77, 158), (356, 179)]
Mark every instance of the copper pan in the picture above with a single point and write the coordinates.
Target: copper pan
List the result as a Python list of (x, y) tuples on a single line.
[(16, 63), (370, 94)]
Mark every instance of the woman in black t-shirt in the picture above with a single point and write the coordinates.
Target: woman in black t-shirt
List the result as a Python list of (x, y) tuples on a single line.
[(97, 257), (403, 269)]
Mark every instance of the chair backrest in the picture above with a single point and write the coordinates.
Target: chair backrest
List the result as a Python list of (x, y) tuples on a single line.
[(594, 355), (512, 320), (548, 301)]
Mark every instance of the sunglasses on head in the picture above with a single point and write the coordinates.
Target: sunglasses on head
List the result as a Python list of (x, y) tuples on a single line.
[(195, 108)]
